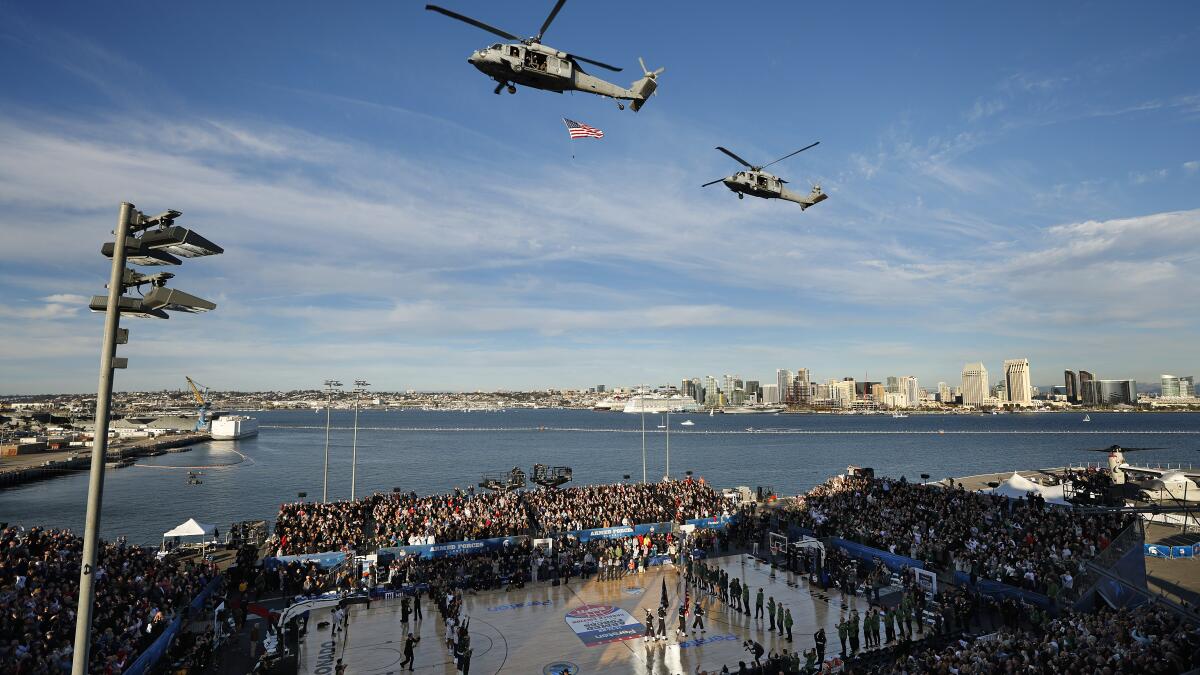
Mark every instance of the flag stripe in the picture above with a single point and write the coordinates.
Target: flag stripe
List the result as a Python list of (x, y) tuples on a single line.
[(579, 130)]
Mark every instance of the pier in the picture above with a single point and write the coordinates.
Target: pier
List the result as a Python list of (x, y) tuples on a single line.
[(40, 466)]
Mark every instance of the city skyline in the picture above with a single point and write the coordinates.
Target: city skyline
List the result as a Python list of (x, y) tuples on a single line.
[(406, 225)]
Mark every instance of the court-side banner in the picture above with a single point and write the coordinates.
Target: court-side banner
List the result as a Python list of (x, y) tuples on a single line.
[(714, 523), (324, 560), (620, 531), (452, 548), (601, 624), (1164, 551)]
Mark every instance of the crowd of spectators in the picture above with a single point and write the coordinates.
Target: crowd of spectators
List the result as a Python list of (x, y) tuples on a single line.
[(592, 506), (136, 597), (1144, 640), (1023, 543), (403, 519)]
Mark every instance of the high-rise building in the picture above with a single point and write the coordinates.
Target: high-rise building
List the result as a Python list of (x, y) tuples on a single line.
[(802, 387), (1016, 377), (1177, 386), (974, 384), (893, 384), (770, 393), (878, 391), (783, 381), (1116, 392), (944, 394), (911, 390), (712, 394), (1087, 388), (1072, 386), (751, 387)]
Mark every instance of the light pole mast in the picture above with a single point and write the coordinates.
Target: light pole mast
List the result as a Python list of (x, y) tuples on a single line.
[(359, 387), (133, 245), (668, 476), (91, 528), (642, 401), (330, 385)]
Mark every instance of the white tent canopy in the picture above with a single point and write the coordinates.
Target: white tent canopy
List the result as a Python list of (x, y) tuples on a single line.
[(1017, 486), (192, 528)]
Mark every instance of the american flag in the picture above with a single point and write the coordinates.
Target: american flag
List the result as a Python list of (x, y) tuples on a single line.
[(578, 130)]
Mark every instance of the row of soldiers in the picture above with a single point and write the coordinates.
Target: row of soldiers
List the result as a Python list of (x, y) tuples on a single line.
[(735, 593), (895, 624)]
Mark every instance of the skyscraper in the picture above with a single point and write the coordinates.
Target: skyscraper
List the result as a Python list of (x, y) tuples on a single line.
[(1177, 386), (974, 384), (893, 384), (802, 387), (1072, 386), (783, 380), (1016, 377), (1087, 388), (944, 394), (770, 393), (911, 390), (1116, 392)]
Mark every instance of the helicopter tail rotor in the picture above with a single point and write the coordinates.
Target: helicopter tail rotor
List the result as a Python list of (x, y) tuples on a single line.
[(644, 88)]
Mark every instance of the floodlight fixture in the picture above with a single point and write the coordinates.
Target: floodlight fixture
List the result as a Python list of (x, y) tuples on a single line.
[(138, 253), (128, 306), (180, 241), (161, 297)]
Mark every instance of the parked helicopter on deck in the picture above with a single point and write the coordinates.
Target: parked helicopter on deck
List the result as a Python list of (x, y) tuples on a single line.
[(530, 63)]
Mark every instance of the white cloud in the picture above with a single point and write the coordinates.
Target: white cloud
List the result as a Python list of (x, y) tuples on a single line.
[(984, 108), (1153, 176), (1192, 166)]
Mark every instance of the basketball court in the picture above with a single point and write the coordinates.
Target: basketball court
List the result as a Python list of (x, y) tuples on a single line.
[(584, 627)]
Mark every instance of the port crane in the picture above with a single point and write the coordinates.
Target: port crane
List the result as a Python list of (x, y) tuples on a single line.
[(201, 404)]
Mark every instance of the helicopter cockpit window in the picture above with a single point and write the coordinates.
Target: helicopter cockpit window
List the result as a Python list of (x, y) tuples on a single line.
[(495, 47), (514, 51)]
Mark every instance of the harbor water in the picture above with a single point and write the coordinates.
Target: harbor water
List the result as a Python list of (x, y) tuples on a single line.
[(432, 451)]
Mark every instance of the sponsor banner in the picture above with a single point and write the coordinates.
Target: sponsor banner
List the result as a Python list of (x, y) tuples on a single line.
[(714, 523), (324, 560), (1165, 551), (601, 624), (620, 531), (1156, 550), (453, 548)]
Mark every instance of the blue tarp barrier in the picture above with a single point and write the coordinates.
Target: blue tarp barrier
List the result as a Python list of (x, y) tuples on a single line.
[(149, 658), (324, 560), (999, 591), (893, 561), (453, 548)]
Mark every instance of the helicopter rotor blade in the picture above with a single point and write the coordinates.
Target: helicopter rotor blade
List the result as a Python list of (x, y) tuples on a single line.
[(597, 63), (739, 160), (1121, 448), (713, 182), (478, 24), (790, 154), (549, 19)]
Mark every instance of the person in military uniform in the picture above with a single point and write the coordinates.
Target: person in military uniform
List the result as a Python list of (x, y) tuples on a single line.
[(758, 605), (771, 612), (819, 641), (853, 631), (787, 623), (746, 599), (843, 628)]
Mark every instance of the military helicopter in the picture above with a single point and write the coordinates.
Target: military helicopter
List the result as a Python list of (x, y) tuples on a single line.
[(530, 63), (758, 183)]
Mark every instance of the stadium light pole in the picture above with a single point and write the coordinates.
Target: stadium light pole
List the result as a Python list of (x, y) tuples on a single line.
[(360, 386), (642, 401), (157, 247), (330, 385), (668, 473)]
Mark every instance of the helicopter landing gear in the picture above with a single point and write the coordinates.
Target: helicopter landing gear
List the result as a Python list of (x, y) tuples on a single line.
[(512, 89), (496, 91), (620, 106), (741, 196)]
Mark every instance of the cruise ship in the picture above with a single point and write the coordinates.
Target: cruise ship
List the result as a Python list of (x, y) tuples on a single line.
[(657, 403), (233, 427)]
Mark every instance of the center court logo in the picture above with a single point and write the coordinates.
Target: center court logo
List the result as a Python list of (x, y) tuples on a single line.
[(560, 668), (590, 611), (601, 624)]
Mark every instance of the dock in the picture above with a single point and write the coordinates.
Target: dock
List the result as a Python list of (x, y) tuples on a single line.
[(22, 469)]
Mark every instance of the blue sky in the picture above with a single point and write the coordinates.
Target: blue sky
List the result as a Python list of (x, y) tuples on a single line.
[(1006, 180)]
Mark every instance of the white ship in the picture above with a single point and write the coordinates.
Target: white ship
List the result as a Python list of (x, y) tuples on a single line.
[(233, 427), (752, 410), (658, 404)]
